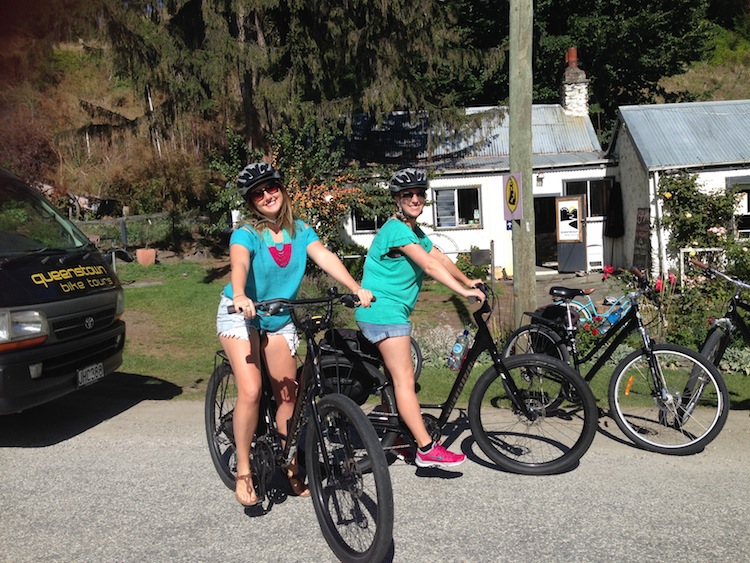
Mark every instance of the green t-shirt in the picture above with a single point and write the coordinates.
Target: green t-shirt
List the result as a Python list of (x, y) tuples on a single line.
[(392, 277)]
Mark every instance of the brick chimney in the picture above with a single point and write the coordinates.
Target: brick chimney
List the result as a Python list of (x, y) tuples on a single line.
[(575, 86)]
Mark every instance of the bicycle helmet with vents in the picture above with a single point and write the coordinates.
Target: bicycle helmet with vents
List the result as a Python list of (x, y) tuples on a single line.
[(408, 178), (255, 174)]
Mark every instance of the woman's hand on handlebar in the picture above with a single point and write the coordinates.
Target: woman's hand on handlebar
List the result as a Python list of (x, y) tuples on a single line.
[(365, 297), (243, 304), (474, 294)]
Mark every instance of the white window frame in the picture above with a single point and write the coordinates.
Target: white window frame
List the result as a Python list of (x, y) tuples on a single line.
[(439, 206)]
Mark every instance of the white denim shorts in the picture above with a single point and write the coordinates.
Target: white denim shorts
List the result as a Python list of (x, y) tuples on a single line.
[(235, 325)]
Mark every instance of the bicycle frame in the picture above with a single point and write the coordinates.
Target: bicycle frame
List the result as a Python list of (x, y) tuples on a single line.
[(309, 386), (630, 322), (590, 306), (482, 342), (732, 319)]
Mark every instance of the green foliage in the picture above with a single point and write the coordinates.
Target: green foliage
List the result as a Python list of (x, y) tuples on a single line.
[(692, 217), (731, 47), (463, 263)]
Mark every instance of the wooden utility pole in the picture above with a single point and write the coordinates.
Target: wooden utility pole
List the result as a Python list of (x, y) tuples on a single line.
[(524, 252)]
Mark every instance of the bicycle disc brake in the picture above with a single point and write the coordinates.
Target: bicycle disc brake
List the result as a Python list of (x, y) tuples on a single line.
[(263, 466)]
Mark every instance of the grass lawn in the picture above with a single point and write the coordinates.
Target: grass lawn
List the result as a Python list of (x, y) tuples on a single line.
[(170, 311)]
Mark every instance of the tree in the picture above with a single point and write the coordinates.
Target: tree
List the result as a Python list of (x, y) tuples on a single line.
[(625, 47), (275, 63)]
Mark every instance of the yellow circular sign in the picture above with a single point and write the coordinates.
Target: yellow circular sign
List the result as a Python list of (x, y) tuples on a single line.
[(512, 196)]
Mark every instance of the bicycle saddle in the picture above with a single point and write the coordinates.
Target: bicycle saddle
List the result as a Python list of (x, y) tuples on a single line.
[(560, 292)]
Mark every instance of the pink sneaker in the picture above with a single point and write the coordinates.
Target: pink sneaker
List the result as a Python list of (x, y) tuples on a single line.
[(438, 456)]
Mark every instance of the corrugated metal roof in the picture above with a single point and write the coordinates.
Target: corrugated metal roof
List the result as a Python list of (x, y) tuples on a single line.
[(689, 135), (557, 140)]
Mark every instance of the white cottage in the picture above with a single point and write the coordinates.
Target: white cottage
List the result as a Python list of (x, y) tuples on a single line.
[(467, 189), (709, 139)]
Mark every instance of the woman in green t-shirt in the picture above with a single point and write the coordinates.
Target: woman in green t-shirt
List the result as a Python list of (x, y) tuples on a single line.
[(398, 259)]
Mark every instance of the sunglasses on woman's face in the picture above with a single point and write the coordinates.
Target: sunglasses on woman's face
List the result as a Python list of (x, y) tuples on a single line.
[(257, 194), (421, 194)]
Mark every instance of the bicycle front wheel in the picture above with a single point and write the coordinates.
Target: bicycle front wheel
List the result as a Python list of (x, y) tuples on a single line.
[(221, 395), (677, 412), (536, 416), (367, 386), (354, 506)]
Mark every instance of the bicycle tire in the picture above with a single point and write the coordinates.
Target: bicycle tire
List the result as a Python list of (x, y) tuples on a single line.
[(337, 375), (221, 395), (687, 418), (563, 423), (715, 345), (416, 358), (354, 507), (536, 339)]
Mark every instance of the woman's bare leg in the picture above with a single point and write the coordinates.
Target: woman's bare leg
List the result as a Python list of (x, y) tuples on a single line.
[(282, 369), (244, 359), (396, 353)]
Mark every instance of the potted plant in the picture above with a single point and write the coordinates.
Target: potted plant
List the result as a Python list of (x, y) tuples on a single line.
[(146, 256)]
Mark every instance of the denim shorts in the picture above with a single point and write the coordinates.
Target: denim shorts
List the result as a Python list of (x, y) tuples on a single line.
[(235, 325), (375, 333)]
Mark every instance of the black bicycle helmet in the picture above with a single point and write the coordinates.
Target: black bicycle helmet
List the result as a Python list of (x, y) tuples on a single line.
[(408, 178), (255, 174)]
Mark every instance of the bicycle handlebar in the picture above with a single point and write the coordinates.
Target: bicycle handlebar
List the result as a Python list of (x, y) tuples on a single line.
[(279, 305), (713, 272)]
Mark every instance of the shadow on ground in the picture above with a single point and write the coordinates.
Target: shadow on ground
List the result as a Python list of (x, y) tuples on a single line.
[(79, 411)]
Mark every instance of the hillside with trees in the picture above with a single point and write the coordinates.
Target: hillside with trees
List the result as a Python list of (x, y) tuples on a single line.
[(159, 104)]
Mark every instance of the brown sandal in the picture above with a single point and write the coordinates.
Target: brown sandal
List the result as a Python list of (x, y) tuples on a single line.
[(298, 487), (248, 479)]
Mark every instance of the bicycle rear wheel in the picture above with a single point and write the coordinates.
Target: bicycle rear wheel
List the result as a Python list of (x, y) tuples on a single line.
[(536, 339), (354, 507), (416, 358), (221, 395), (679, 419), (559, 428)]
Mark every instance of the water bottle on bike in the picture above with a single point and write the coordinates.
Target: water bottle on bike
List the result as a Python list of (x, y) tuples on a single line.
[(459, 351), (610, 319)]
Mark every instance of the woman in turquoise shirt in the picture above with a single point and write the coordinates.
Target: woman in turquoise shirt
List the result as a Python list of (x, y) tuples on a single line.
[(396, 263), (268, 257)]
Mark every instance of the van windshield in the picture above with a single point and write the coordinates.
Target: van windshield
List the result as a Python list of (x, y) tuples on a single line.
[(29, 223)]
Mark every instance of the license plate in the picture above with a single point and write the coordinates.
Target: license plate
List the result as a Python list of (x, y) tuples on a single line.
[(89, 374)]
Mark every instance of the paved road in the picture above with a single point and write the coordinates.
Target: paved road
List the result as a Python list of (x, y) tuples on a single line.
[(130, 479)]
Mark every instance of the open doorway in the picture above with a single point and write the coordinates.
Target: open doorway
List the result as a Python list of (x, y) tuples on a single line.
[(545, 234)]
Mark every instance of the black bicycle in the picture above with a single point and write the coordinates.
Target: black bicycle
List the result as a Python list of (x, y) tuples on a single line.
[(722, 330), (511, 416), (353, 503), (664, 397)]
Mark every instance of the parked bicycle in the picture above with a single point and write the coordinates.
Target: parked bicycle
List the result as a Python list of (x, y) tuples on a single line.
[(511, 416), (353, 504), (720, 334), (664, 397)]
